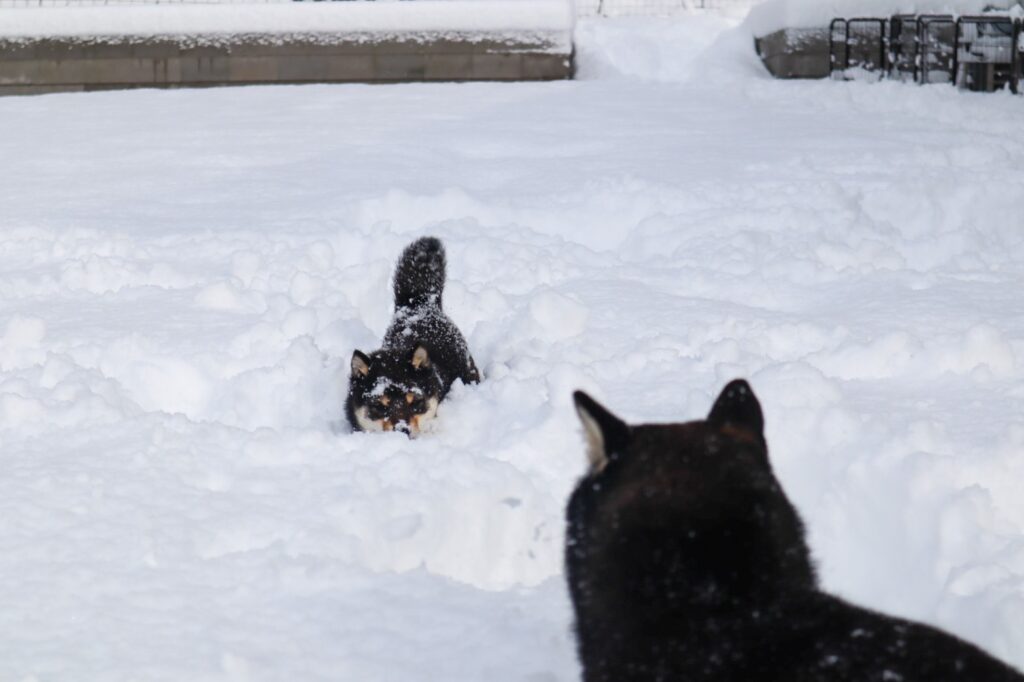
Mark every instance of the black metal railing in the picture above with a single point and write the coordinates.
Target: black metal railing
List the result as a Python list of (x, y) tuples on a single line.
[(987, 53), (980, 53), (858, 43), (903, 47), (936, 48)]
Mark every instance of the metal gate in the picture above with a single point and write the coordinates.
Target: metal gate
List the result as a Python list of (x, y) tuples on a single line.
[(984, 53), (903, 47), (987, 53), (837, 34), (937, 45), (857, 47)]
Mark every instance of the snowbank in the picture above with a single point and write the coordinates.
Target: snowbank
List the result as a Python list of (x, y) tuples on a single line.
[(773, 15), (643, 47), (423, 16)]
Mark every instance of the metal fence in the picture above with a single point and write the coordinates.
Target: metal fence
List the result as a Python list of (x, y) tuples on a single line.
[(937, 48), (987, 53), (920, 48), (983, 53), (856, 44)]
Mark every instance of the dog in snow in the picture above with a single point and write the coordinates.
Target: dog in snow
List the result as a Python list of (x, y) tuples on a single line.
[(687, 562), (399, 387)]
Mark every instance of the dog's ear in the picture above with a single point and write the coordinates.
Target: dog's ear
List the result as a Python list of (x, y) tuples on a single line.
[(420, 358), (607, 435), (360, 364), (737, 407)]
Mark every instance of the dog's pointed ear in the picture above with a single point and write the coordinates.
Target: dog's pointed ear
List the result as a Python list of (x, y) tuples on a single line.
[(360, 364), (420, 358), (607, 435), (737, 407)]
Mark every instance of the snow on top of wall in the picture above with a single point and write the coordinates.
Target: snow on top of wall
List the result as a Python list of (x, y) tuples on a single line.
[(773, 15), (446, 16)]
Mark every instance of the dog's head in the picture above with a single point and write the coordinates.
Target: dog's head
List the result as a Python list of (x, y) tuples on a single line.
[(695, 504), (731, 438), (394, 391)]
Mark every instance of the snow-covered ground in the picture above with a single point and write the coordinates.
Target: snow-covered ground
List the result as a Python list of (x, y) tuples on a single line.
[(184, 274), (199, 23)]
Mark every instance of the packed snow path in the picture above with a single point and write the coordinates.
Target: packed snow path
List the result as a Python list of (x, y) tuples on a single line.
[(183, 277)]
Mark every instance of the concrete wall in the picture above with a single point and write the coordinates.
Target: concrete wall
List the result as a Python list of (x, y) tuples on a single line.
[(67, 64), (796, 52)]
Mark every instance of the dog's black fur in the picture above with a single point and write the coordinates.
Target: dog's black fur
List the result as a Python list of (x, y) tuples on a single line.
[(399, 387), (687, 563)]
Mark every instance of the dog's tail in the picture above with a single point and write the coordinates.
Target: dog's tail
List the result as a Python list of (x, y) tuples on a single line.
[(419, 277)]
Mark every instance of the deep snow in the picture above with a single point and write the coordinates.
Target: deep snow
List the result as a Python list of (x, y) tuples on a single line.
[(184, 274)]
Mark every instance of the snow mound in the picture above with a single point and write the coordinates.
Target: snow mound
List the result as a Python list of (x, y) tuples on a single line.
[(357, 18)]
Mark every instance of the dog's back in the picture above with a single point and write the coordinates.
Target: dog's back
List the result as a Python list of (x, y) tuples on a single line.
[(687, 562), (419, 315)]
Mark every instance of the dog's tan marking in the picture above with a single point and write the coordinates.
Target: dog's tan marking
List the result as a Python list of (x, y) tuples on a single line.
[(359, 365), (385, 401), (739, 433), (418, 422), (596, 454), (420, 358), (409, 398)]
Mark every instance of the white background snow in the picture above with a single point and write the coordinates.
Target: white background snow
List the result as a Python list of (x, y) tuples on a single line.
[(184, 275), (326, 20)]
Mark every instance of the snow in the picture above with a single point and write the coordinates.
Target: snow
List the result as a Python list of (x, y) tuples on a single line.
[(658, 8), (184, 275), (313, 19), (771, 15)]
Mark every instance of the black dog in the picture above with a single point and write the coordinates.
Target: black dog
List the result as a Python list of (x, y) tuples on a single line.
[(399, 387), (687, 563)]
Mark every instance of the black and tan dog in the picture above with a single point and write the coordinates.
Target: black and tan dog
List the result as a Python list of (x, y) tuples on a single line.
[(399, 387), (687, 563)]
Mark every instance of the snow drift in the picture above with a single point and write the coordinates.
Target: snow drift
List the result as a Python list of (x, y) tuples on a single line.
[(358, 18)]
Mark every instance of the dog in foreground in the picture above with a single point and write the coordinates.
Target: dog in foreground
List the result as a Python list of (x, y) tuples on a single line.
[(686, 562), (399, 387)]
